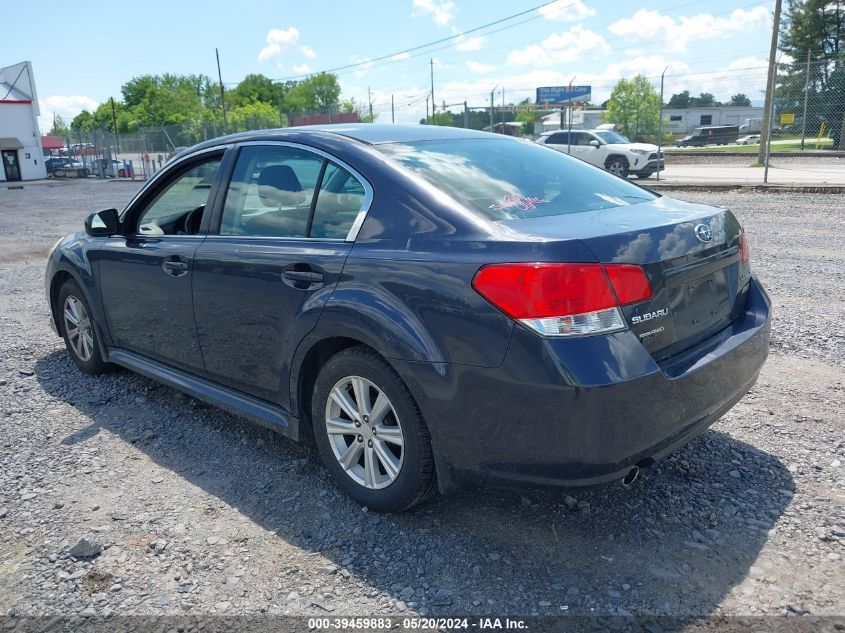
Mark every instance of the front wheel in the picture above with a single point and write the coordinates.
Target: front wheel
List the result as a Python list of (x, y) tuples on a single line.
[(78, 330), (370, 433), (617, 167)]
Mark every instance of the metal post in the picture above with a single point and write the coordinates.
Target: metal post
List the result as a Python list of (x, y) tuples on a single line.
[(466, 115), (660, 123), (491, 110), (806, 94), (569, 135), (114, 124), (370, 99), (769, 124), (222, 91), (503, 109), (392, 111), (770, 87)]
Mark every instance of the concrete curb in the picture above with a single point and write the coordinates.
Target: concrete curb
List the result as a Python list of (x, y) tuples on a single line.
[(750, 187)]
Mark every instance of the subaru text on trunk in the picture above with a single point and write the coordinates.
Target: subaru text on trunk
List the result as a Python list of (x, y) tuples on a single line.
[(434, 307)]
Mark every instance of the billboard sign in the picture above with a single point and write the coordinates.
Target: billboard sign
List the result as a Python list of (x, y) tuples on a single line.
[(563, 94)]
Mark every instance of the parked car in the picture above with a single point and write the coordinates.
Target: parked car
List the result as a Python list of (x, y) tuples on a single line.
[(435, 307), (749, 139), (60, 162), (607, 149), (56, 162), (114, 168), (710, 135)]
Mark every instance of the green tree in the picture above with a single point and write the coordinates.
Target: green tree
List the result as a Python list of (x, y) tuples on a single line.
[(320, 93), (739, 99), (680, 100), (703, 100), (528, 115), (635, 106), (59, 127), (257, 88), (816, 27)]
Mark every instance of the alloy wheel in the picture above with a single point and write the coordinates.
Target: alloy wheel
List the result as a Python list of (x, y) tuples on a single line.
[(78, 328), (617, 167), (364, 432)]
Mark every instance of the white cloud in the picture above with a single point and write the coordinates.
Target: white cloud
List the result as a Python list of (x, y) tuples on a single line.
[(566, 11), (308, 52), (441, 11), (277, 40), (365, 62), (470, 43), (560, 48), (399, 57), (302, 69), (647, 25), (480, 68), (746, 75), (66, 107)]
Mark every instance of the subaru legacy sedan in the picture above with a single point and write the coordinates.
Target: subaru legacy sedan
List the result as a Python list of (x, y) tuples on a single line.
[(433, 307)]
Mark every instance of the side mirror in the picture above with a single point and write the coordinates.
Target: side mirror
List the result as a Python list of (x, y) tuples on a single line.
[(594, 143), (102, 223)]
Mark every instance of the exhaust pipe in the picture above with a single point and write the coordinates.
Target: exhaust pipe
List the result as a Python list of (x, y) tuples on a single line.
[(629, 479)]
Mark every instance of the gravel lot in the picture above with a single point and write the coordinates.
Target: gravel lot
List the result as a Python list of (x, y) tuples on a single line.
[(199, 512)]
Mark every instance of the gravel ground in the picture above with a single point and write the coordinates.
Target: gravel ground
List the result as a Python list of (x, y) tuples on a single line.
[(192, 510)]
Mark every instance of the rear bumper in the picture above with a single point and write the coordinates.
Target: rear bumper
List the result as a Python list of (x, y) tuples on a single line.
[(584, 411)]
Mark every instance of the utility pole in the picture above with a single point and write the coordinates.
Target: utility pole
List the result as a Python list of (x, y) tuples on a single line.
[(806, 94), (370, 100), (117, 136), (426, 107), (503, 108), (660, 123), (392, 111), (433, 102), (223, 91), (466, 115), (492, 92), (569, 135), (768, 106)]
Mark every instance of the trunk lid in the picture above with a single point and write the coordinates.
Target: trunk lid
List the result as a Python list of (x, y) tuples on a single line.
[(698, 285)]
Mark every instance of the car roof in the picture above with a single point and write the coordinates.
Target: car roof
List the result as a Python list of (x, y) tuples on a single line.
[(369, 133)]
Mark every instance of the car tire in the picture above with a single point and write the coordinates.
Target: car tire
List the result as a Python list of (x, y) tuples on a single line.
[(78, 329), (617, 165), (379, 453)]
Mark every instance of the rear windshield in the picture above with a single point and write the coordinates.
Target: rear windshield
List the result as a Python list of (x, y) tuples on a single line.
[(507, 179)]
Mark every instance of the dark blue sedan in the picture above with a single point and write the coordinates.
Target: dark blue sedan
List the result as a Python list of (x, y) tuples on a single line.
[(432, 306)]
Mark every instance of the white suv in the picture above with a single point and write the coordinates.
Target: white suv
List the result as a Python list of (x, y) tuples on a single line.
[(607, 149)]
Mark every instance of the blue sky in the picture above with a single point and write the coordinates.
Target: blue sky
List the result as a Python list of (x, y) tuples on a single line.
[(709, 45)]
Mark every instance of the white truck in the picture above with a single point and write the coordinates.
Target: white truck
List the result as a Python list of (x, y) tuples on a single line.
[(751, 126), (607, 149)]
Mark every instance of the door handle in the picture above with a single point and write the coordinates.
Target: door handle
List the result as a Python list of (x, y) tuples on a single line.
[(175, 267), (306, 276)]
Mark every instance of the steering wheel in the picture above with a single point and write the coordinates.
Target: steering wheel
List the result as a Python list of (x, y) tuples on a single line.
[(191, 223)]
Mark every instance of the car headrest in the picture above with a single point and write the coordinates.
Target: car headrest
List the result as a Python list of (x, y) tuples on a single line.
[(282, 179)]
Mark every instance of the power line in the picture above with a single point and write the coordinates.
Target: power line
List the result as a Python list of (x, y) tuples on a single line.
[(434, 43)]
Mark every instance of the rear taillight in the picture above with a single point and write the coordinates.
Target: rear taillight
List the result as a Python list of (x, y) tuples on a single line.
[(744, 254), (564, 299)]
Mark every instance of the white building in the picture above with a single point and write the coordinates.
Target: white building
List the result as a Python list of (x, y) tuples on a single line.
[(685, 120), (21, 156)]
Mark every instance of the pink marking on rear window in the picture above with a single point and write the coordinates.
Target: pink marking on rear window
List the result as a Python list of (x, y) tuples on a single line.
[(518, 201)]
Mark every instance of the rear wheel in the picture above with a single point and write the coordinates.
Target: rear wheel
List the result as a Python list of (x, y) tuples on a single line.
[(370, 433), (78, 330), (617, 166)]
